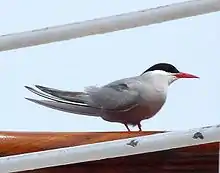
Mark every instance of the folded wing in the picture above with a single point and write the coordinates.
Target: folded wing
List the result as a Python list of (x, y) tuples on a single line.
[(116, 96)]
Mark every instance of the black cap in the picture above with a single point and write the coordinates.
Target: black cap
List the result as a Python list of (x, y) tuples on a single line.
[(164, 67)]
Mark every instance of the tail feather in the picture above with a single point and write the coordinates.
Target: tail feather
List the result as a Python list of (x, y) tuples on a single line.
[(46, 96), (79, 97), (53, 90), (70, 108)]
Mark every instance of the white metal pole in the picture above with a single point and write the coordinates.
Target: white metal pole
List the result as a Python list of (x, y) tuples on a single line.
[(108, 24), (110, 149)]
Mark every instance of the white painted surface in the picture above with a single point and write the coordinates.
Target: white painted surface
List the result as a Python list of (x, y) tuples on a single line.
[(111, 149), (108, 24)]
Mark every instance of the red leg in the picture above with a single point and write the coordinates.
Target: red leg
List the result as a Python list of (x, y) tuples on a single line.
[(139, 127), (127, 127)]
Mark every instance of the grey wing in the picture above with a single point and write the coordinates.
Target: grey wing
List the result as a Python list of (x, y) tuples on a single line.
[(118, 95), (78, 106)]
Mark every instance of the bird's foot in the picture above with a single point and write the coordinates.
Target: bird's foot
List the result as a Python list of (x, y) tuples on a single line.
[(139, 127), (127, 127)]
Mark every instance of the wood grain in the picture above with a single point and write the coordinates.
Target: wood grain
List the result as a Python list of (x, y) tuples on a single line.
[(196, 159), (24, 142)]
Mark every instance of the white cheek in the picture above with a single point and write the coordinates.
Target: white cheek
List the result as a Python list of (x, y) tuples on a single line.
[(172, 79)]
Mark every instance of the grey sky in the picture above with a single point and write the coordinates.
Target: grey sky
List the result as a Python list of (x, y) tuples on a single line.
[(191, 44)]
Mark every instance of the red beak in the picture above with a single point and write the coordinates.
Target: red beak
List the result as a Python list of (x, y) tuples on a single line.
[(185, 75)]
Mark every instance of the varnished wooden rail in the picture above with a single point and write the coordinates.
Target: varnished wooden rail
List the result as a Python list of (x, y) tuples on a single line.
[(24, 142)]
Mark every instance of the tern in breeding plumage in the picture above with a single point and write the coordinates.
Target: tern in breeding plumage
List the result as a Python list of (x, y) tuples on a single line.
[(127, 101)]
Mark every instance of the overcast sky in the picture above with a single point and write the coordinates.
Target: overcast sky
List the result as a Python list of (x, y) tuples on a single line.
[(192, 45)]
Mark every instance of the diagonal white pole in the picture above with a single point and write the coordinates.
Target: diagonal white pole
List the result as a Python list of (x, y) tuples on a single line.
[(108, 24), (110, 149)]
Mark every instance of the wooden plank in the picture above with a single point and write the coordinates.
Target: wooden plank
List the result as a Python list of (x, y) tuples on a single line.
[(201, 158), (12, 143)]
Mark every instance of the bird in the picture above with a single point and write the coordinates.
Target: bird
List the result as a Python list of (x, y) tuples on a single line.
[(127, 101)]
